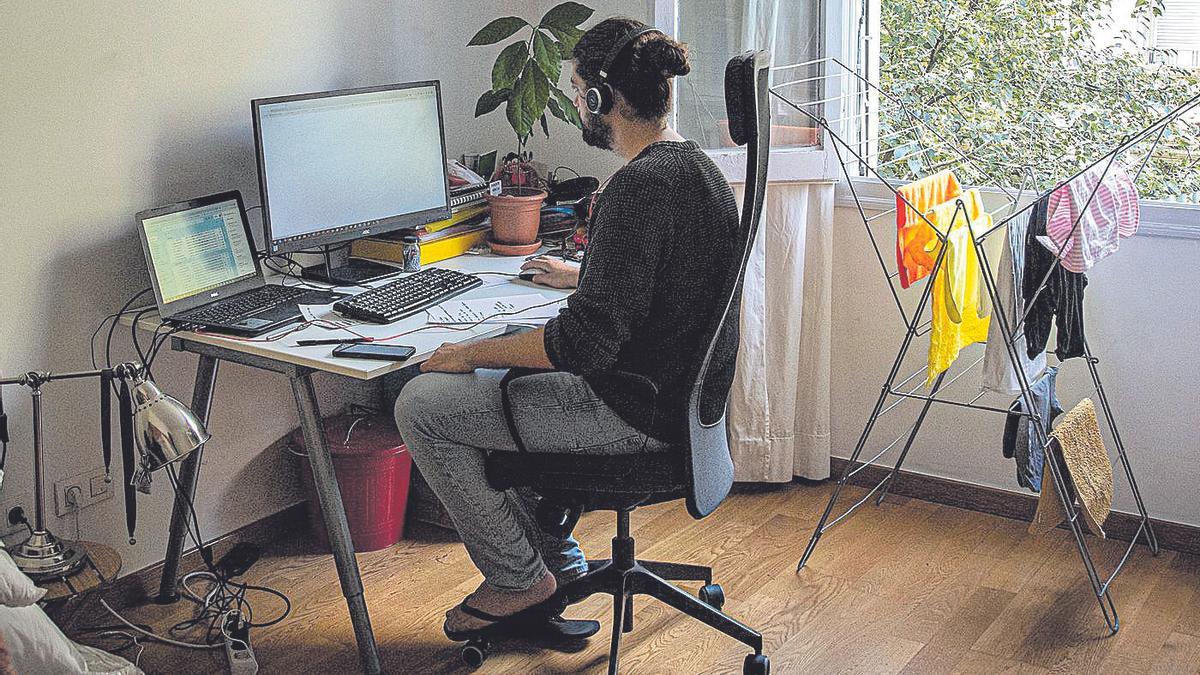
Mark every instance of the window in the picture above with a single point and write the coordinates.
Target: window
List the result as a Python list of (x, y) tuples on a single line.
[(1176, 34), (1037, 89), (797, 33)]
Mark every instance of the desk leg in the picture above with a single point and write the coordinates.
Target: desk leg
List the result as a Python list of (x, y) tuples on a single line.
[(335, 520), (189, 470)]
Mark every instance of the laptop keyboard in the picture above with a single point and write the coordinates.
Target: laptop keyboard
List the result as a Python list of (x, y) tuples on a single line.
[(236, 308), (406, 296)]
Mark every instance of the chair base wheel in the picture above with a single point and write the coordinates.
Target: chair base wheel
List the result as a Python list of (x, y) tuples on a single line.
[(475, 653), (756, 664), (712, 595)]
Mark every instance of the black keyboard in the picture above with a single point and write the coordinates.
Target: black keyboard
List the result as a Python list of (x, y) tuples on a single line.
[(406, 296), (239, 306)]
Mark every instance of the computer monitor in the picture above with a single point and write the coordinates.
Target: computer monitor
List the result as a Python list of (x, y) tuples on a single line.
[(338, 165)]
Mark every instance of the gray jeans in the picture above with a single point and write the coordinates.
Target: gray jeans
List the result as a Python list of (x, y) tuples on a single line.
[(450, 421)]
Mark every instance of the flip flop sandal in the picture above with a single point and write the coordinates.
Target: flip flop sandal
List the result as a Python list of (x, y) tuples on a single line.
[(538, 611)]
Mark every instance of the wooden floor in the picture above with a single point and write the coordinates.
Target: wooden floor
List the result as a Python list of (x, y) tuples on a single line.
[(909, 587)]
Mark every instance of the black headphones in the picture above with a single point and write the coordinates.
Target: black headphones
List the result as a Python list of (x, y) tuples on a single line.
[(599, 99)]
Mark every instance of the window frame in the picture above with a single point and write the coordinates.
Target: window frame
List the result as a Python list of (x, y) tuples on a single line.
[(1159, 218), (802, 164)]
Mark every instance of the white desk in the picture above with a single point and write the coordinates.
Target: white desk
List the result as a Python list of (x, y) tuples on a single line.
[(299, 363), (425, 341)]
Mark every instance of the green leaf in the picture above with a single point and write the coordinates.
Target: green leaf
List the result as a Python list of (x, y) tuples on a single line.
[(545, 127), (541, 94), (490, 100), (567, 38), (566, 15), (556, 109), (508, 65), (524, 106), (547, 56), (498, 30), (565, 108)]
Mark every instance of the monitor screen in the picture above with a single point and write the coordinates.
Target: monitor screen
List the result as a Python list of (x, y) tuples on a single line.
[(197, 250), (335, 166)]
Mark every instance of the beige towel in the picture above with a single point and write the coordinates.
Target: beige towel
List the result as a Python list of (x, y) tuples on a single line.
[(1077, 438)]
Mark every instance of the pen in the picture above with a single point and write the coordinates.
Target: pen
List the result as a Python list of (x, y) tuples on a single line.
[(332, 341)]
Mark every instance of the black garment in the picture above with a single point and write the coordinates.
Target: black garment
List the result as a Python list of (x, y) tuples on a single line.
[(661, 244), (1061, 302)]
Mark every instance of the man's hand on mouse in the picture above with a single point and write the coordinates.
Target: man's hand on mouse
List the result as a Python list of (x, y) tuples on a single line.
[(552, 272)]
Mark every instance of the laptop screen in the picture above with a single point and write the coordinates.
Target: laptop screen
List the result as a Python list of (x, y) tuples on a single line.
[(198, 250)]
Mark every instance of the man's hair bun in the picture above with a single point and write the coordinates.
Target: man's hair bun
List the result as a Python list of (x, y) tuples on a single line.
[(641, 72), (661, 55)]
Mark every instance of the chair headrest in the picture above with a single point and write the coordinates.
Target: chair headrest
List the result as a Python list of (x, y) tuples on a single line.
[(741, 93)]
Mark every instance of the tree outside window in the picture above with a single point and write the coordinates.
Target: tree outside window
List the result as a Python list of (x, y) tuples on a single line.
[(1033, 87)]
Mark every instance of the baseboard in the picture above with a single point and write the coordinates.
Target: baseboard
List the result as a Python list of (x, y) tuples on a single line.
[(1120, 525)]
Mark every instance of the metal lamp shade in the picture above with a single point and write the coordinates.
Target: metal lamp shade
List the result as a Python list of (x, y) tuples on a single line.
[(165, 430)]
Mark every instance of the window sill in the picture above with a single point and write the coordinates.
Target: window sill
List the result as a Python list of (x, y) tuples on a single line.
[(811, 164), (1159, 219)]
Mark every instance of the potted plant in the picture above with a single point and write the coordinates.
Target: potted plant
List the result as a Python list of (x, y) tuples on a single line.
[(525, 78)]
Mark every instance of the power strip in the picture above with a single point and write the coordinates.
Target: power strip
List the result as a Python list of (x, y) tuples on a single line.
[(237, 645)]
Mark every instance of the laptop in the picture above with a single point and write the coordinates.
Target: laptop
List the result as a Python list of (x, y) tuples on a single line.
[(200, 255)]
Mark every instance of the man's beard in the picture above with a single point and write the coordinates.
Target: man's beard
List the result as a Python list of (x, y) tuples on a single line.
[(597, 132)]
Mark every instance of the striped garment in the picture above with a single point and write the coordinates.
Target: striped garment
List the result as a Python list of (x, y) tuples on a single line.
[(1109, 216)]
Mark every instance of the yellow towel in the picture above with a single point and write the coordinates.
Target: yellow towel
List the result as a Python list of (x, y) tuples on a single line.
[(1077, 437), (959, 318), (915, 240)]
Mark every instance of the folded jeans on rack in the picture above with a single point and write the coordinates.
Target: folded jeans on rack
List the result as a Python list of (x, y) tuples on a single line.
[(1060, 303), (999, 375), (1021, 442), (916, 243)]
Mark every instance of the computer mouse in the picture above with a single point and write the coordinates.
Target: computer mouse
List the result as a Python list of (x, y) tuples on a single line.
[(527, 276)]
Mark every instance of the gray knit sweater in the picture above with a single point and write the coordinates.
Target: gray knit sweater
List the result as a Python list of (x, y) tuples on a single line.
[(661, 243)]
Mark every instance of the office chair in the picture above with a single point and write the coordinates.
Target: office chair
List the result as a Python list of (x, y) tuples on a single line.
[(699, 470)]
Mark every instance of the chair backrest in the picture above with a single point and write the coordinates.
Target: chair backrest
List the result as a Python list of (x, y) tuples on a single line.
[(709, 466)]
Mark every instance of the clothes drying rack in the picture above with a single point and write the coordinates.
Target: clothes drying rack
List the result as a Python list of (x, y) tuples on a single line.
[(856, 148)]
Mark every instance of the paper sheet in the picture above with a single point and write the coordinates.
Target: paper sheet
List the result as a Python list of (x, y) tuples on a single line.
[(508, 309), (324, 313)]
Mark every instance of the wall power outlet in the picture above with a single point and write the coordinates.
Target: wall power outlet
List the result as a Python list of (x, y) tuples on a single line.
[(10, 499), (85, 489)]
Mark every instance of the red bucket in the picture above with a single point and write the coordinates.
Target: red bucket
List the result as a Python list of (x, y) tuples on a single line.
[(372, 466)]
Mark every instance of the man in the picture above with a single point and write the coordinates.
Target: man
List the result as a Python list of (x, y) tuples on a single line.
[(661, 241)]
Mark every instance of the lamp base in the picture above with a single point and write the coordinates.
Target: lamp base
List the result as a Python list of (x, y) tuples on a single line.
[(44, 556)]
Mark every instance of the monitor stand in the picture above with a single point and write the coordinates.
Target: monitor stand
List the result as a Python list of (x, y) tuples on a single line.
[(354, 271)]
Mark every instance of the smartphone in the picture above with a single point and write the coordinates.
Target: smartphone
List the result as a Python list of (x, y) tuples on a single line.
[(366, 350)]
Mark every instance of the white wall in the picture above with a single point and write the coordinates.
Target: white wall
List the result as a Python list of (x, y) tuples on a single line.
[(1142, 320), (111, 108)]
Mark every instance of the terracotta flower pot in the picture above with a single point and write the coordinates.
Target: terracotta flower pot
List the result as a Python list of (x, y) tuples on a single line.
[(516, 214)]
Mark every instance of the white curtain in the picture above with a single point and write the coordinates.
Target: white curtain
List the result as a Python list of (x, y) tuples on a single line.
[(779, 402)]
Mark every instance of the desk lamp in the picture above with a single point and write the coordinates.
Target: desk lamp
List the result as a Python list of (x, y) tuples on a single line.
[(162, 429)]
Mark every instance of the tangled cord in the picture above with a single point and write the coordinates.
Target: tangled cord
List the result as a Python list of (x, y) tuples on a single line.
[(222, 598)]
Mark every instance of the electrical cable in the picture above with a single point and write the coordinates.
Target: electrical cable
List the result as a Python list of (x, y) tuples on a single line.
[(133, 333), (161, 341), (152, 636), (554, 173), (3, 436), (226, 595), (114, 318)]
